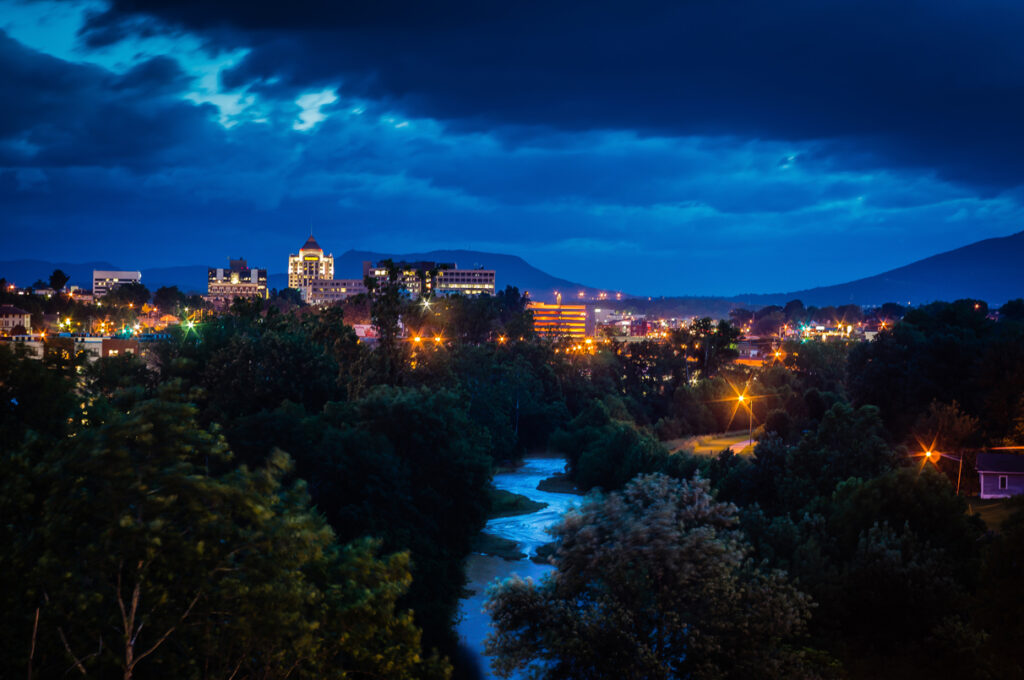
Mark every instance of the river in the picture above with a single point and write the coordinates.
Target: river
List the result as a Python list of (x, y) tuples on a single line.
[(529, 531)]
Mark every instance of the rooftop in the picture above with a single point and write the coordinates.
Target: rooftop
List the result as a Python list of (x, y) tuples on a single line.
[(1000, 462), (311, 244), (11, 309)]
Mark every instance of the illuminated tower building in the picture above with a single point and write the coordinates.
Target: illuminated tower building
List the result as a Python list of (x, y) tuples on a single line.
[(309, 265)]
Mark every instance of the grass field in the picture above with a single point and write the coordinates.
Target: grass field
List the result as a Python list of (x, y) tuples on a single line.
[(711, 444), (994, 511)]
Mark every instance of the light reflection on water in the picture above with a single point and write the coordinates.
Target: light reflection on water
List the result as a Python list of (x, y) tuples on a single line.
[(527, 530)]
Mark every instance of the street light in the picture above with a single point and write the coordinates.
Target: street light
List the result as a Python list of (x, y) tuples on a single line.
[(742, 399), (931, 455)]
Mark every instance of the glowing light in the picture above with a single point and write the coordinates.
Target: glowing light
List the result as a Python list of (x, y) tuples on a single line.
[(417, 339)]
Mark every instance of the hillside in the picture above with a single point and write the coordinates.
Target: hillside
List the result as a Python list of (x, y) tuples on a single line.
[(989, 270)]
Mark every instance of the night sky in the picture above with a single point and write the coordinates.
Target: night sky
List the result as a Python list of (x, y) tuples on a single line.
[(704, 147)]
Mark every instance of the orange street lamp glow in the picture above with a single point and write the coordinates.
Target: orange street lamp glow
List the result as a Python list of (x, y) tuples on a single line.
[(437, 338), (416, 339)]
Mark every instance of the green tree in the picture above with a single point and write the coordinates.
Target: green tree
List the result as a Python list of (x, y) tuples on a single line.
[(134, 561), (58, 279), (35, 396), (131, 293), (386, 305), (653, 582), (168, 299)]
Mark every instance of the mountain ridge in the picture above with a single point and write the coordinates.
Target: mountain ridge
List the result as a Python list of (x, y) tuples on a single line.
[(990, 270)]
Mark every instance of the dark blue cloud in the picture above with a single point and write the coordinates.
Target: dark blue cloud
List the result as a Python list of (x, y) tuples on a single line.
[(62, 114), (702, 147), (919, 84)]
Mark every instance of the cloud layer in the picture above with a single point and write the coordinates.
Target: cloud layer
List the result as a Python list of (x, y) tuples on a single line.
[(662, 148)]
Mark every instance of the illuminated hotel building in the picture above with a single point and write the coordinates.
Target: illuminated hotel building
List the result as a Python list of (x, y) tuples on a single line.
[(433, 277), (238, 281), (309, 265), (559, 321)]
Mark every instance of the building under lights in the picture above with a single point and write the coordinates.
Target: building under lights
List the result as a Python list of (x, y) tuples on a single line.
[(104, 281), (559, 321), (14, 320), (237, 281), (435, 278), (328, 291), (309, 265)]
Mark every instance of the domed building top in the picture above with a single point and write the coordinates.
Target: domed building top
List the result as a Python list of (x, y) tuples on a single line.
[(311, 244)]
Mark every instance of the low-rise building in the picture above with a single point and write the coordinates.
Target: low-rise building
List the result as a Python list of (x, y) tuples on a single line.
[(438, 278), (14, 320), (1001, 475), (323, 292), (469, 282), (237, 281), (104, 281), (559, 321), (112, 347)]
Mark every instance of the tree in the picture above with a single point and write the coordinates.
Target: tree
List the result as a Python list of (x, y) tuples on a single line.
[(794, 311), (134, 560), (386, 303), (287, 298), (168, 299), (653, 582), (1012, 310), (58, 279), (128, 294)]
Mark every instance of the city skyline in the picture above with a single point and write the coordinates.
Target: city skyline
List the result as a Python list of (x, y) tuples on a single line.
[(712, 141)]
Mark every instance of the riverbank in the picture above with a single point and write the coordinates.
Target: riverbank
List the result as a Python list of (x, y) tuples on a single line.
[(504, 503), (515, 544)]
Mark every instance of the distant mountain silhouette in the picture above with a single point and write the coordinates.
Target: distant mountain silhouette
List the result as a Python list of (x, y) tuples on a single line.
[(510, 270), (990, 270), (26, 272)]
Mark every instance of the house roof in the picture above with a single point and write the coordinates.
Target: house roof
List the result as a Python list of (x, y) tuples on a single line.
[(1000, 462), (11, 309), (311, 244)]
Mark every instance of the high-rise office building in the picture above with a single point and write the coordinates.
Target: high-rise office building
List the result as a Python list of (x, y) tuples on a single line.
[(309, 265)]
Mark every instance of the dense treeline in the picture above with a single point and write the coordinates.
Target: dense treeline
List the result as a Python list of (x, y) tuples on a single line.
[(904, 580), (269, 496)]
